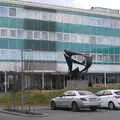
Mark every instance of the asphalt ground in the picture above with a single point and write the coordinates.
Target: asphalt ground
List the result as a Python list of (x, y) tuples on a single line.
[(100, 114)]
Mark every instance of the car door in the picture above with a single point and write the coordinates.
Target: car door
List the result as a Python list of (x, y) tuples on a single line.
[(59, 100), (67, 99), (106, 97), (101, 98)]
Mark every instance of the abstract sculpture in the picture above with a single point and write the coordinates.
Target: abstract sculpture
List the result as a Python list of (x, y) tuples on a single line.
[(87, 62)]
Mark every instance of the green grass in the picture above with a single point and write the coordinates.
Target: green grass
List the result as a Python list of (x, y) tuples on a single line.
[(36, 97)]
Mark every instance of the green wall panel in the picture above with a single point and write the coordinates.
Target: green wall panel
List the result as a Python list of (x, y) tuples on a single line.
[(29, 24), (56, 46)]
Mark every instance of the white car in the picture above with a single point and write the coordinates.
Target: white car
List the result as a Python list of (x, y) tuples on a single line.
[(109, 98), (75, 99)]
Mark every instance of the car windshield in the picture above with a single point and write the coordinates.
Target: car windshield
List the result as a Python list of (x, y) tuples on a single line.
[(85, 93), (117, 92)]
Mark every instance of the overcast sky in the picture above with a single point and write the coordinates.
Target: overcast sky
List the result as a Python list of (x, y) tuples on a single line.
[(83, 4)]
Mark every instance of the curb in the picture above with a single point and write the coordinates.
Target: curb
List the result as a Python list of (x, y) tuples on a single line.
[(22, 114)]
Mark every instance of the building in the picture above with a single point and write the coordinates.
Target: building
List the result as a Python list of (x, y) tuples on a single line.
[(33, 37)]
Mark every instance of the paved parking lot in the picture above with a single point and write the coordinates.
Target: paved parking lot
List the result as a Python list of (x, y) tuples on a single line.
[(68, 115), (84, 115)]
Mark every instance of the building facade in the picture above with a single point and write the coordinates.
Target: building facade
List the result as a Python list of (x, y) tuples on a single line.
[(33, 38)]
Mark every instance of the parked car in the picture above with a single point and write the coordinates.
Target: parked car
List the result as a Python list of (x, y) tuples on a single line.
[(109, 98), (75, 99)]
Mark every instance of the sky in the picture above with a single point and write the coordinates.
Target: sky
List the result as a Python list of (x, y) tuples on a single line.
[(83, 4)]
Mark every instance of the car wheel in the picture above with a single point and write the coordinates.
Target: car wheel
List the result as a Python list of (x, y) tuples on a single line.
[(111, 106), (52, 105), (74, 107), (93, 108)]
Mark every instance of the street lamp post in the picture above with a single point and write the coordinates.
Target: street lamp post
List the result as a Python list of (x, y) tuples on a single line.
[(22, 77)]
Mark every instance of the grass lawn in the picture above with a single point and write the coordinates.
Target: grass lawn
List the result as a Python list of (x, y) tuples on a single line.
[(36, 97)]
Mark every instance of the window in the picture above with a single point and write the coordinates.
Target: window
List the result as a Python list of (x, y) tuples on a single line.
[(59, 36), (66, 37), (106, 58), (12, 33), (44, 35), (20, 12), (52, 16), (51, 36), (12, 11), (73, 37), (85, 93), (44, 16), (92, 40), (20, 34), (100, 93), (107, 93), (3, 33), (117, 92), (36, 35), (3, 11), (99, 58), (29, 35), (59, 17)]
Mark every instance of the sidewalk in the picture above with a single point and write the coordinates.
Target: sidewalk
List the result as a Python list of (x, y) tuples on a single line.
[(34, 111)]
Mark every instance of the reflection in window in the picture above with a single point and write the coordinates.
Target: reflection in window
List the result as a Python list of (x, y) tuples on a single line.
[(44, 16), (20, 33), (66, 37), (99, 58), (106, 58), (36, 35), (59, 36), (52, 16), (92, 40), (3, 33), (12, 11), (3, 11), (12, 33), (72, 37), (44, 35), (51, 36), (29, 35)]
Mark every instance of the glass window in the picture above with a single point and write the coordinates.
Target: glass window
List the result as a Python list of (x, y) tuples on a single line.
[(3, 33), (85, 93), (59, 17), (44, 16), (36, 35), (20, 34), (59, 36), (107, 93), (52, 16), (73, 37), (12, 33), (3, 11), (20, 12), (44, 35), (12, 11), (99, 58), (51, 36), (29, 35), (37, 15), (117, 92), (66, 37), (106, 58), (92, 40)]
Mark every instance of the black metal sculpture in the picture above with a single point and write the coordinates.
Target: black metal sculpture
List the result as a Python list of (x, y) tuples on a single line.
[(87, 62)]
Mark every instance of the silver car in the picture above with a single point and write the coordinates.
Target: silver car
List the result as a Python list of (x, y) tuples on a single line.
[(75, 99)]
